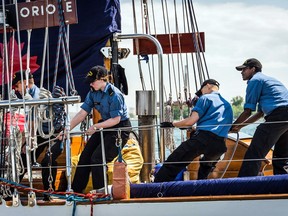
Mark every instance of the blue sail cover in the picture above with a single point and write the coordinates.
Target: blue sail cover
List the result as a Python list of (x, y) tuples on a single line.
[(97, 21), (277, 184)]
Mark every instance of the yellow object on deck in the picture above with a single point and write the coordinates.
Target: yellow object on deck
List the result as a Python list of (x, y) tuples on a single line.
[(132, 156)]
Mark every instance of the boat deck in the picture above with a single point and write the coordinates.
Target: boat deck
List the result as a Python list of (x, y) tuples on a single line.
[(24, 201)]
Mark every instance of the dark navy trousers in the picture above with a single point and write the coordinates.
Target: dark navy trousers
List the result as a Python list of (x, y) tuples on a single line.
[(268, 134), (201, 142), (91, 157)]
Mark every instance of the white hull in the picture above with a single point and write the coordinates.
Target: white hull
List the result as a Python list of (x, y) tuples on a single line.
[(163, 207)]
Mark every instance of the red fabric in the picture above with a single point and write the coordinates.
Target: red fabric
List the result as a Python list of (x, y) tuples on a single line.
[(18, 119)]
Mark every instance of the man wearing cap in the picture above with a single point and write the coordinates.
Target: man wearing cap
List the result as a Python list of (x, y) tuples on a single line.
[(20, 86), (109, 101), (271, 97), (213, 115)]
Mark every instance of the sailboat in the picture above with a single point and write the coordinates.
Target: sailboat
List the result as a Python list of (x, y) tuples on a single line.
[(58, 42)]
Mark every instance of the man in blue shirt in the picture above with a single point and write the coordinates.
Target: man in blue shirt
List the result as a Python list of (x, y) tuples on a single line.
[(213, 115), (109, 101), (19, 83), (271, 97), (20, 86)]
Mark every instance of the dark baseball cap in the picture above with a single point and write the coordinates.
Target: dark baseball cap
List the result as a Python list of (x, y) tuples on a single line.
[(17, 76), (95, 73), (208, 81), (252, 62)]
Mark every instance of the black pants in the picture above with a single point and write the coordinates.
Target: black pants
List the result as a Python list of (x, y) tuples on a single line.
[(92, 155), (202, 142), (266, 136), (56, 150)]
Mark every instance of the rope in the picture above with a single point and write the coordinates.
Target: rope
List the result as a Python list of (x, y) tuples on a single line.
[(152, 57), (196, 38), (137, 46), (232, 155), (119, 146), (180, 73), (167, 30), (63, 43), (69, 196), (169, 132), (199, 38)]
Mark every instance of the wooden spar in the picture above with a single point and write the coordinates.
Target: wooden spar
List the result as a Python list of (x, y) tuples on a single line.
[(40, 14), (180, 43)]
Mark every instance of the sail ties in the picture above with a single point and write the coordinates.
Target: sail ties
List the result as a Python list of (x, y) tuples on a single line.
[(169, 132)]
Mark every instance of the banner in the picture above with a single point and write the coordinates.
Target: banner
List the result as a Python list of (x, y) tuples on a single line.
[(97, 21)]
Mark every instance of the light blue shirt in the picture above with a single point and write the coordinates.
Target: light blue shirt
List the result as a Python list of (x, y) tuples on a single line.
[(34, 91), (110, 103), (265, 91), (215, 114)]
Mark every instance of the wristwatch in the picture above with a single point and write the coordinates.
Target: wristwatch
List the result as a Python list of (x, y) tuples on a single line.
[(94, 127)]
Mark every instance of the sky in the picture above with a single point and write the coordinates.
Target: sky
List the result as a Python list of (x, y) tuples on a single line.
[(234, 32)]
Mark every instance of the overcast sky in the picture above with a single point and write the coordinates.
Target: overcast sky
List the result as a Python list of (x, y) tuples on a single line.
[(234, 31)]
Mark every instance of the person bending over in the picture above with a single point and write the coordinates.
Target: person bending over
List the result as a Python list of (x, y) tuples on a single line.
[(213, 115)]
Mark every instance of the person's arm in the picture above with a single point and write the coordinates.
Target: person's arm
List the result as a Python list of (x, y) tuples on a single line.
[(242, 118), (105, 124), (109, 122), (190, 121), (253, 118), (79, 117)]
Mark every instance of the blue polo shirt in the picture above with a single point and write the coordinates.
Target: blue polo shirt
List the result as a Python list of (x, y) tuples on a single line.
[(268, 92), (110, 103), (34, 91), (215, 114)]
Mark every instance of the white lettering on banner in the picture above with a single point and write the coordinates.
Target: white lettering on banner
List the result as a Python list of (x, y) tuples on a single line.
[(35, 11), (52, 7), (68, 6), (41, 10), (24, 12)]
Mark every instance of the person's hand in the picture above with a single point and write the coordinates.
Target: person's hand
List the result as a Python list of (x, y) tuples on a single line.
[(234, 129), (61, 135), (191, 131), (91, 130), (166, 125), (27, 96)]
